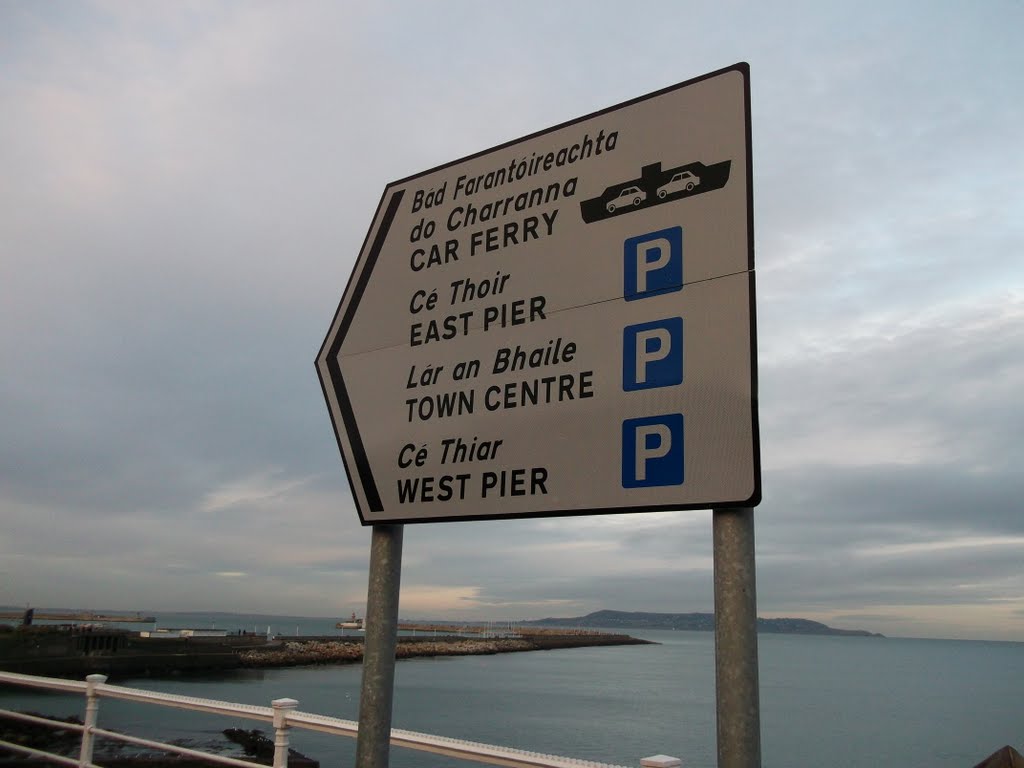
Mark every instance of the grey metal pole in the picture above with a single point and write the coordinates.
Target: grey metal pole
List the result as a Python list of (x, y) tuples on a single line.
[(736, 681), (375, 702)]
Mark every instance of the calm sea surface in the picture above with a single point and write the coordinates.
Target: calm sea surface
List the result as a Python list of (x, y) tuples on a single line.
[(836, 701)]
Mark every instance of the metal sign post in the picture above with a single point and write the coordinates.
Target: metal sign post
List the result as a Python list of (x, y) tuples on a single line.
[(375, 701), (736, 681)]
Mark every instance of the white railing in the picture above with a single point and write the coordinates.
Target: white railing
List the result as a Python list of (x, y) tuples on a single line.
[(283, 715)]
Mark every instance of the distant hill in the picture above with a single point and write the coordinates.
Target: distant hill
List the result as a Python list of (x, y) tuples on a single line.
[(699, 622)]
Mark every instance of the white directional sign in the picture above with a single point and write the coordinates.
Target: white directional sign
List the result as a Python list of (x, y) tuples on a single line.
[(560, 325)]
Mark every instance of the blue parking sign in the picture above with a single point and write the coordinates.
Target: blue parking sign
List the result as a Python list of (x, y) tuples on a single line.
[(652, 451), (653, 263), (652, 354)]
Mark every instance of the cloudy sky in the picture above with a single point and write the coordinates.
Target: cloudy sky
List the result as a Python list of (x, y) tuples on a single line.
[(184, 189)]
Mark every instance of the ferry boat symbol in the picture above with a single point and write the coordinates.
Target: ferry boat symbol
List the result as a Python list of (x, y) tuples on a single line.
[(655, 187)]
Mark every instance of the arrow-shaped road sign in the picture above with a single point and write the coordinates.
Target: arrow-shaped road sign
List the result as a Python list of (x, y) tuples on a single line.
[(560, 325)]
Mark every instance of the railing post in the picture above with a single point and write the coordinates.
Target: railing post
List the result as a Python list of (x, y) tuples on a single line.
[(92, 711), (281, 728)]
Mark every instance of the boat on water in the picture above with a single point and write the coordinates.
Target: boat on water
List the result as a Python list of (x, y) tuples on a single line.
[(352, 623)]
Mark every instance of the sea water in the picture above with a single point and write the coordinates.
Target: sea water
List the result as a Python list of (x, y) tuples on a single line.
[(836, 701)]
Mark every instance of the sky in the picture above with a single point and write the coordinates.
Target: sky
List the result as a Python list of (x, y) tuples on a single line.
[(185, 187)]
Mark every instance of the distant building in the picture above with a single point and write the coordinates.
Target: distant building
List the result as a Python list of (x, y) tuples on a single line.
[(170, 632)]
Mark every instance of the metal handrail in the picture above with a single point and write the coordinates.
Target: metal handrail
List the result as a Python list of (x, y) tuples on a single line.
[(282, 714)]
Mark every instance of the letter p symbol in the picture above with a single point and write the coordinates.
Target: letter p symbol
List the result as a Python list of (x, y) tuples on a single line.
[(652, 451), (653, 263), (652, 354)]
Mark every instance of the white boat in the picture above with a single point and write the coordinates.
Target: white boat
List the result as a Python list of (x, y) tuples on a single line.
[(352, 623)]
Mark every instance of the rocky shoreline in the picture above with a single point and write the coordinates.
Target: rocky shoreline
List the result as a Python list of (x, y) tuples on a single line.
[(310, 651)]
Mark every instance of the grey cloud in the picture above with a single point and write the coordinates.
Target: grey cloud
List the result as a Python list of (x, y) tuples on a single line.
[(944, 499)]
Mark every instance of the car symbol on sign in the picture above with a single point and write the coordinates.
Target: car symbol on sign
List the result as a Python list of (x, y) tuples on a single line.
[(628, 196), (680, 181)]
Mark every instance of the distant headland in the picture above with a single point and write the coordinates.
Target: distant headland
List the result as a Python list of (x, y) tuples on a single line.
[(693, 622)]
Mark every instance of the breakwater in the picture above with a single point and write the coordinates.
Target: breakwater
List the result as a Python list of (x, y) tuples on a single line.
[(308, 651), (74, 653)]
